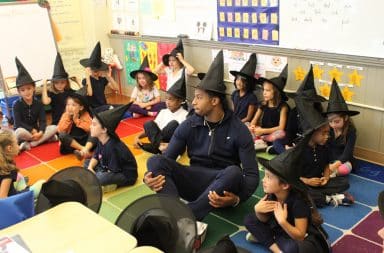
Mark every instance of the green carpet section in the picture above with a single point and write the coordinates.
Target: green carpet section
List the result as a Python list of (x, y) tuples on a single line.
[(109, 212), (265, 155), (123, 199), (217, 228)]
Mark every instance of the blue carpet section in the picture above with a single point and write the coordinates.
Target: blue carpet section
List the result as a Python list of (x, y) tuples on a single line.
[(239, 240), (370, 170), (344, 217), (333, 233), (364, 191)]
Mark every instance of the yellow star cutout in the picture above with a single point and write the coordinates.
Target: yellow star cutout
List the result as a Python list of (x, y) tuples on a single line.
[(317, 72), (325, 90), (347, 93), (335, 73), (299, 73), (355, 78)]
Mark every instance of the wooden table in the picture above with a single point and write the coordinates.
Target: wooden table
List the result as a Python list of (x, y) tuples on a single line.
[(71, 228)]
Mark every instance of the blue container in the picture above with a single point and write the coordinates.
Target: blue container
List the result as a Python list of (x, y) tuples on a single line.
[(3, 105)]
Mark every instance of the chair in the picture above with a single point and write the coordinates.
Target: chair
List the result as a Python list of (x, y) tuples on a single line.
[(16, 208)]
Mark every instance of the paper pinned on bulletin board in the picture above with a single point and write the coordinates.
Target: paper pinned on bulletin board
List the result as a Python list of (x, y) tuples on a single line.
[(125, 16)]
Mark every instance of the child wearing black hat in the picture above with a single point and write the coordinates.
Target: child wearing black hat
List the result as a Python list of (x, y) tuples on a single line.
[(60, 89), (160, 130), (343, 133), (112, 162), (173, 64), (244, 101), (98, 76), (30, 120), (145, 96)]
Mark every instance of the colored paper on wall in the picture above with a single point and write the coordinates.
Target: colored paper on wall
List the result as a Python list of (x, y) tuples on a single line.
[(132, 58), (149, 49), (162, 49)]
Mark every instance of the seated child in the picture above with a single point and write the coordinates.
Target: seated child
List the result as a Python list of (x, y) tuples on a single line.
[(60, 89), (270, 119), (282, 219), (160, 130), (11, 182), (316, 173), (74, 127), (342, 135), (98, 76), (244, 101), (29, 114), (112, 162), (145, 96)]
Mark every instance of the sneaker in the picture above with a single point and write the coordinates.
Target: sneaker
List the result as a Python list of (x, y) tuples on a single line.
[(270, 150), (201, 234), (25, 146), (109, 188), (345, 199), (250, 238), (260, 145)]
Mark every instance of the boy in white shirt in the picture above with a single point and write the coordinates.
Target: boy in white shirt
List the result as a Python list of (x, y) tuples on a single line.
[(160, 130)]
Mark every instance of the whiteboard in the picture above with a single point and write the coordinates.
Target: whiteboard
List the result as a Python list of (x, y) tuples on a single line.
[(26, 33)]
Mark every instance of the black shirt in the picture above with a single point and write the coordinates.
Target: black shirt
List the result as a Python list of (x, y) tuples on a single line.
[(58, 104), (341, 148), (13, 176), (315, 160), (271, 115), (98, 88), (29, 116), (241, 104)]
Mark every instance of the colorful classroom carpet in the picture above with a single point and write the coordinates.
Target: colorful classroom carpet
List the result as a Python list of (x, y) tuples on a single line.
[(350, 229)]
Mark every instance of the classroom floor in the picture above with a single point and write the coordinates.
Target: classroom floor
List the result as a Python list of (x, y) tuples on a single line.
[(350, 229)]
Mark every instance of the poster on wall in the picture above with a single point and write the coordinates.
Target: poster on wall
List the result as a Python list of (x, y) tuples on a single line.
[(162, 49), (248, 21), (132, 59)]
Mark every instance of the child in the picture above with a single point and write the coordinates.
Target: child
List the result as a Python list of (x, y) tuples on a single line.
[(316, 173), (59, 92), (29, 114), (282, 219), (98, 76), (9, 149), (145, 96), (175, 65), (112, 162), (244, 101), (160, 130), (343, 133), (74, 127), (271, 117)]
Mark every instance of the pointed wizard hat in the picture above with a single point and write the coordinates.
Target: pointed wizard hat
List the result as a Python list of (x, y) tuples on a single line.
[(224, 245), (94, 61), (214, 79), (310, 118), (110, 119), (144, 68), (178, 89), (248, 70), (178, 49), (336, 103), (23, 77), (59, 72), (279, 82), (307, 89)]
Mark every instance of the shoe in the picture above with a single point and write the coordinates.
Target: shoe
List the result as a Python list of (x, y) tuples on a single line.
[(201, 234), (260, 145), (345, 199), (270, 150), (25, 146), (109, 188), (250, 238), (149, 148)]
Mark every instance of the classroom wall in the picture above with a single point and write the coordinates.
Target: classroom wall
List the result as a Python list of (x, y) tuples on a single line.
[(370, 123)]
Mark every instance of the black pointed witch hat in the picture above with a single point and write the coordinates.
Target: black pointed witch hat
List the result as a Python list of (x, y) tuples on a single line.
[(178, 49), (310, 118), (110, 119), (59, 72), (224, 245), (214, 78), (307, 89), (81, 94), (336, 103), (279, 82), (144, 68), (248, 70), (23, 77), (94, 61), (179, 89)]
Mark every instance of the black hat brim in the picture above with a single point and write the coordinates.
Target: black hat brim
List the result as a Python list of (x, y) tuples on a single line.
[(349, 113), (85, 178), (317, 98), (151, 74), (29, 82), (261, 80), (102, 67), (180, 212)]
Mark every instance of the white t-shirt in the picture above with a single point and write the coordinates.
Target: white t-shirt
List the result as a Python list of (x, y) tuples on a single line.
[(171, 79), (165, 116), (144, 96)]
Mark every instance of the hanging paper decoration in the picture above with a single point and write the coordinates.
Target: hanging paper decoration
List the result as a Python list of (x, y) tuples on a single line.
[(347, 93), (355, 78), (317, 72), (299, 73), (336, 74), (325, 90)]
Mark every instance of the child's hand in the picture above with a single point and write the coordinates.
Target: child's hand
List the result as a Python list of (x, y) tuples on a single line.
[(264, 205), (88, 71), (324, 181), (258, 130), (44, 83), (217, 201), (281, 212), (37, 136), (313, 181), (180, 57), (137, 142), (154, 183)]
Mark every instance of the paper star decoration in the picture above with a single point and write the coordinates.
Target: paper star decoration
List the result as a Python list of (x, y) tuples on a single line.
[(299, 73), (347, 93), (317, 72), (355, 78), (325, 90), (335, 73)]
